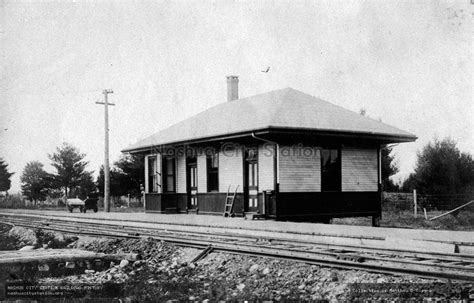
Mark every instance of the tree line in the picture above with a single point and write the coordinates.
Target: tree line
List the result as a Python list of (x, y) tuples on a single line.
[(71, 177), (442, 169)]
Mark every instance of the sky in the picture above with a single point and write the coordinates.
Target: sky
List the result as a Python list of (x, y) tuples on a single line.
[(408, 63)]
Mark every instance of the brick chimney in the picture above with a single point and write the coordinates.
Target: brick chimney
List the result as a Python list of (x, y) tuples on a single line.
[(232, 88)]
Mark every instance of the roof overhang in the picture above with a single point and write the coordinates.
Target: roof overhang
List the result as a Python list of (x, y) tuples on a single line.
[(380, 137)]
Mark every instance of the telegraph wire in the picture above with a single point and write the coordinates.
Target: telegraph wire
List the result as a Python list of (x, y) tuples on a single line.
[(70, 92)]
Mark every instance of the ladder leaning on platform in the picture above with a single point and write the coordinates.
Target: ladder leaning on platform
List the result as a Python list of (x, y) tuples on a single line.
[(229, 202)]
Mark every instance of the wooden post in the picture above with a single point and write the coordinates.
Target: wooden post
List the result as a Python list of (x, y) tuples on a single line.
[(426, 216), (106, 92), (415, 206)]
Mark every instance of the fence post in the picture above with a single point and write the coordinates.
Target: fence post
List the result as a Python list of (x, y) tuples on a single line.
[(415, 204)]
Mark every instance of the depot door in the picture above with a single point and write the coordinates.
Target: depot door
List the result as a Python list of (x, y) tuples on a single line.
[(251, 180), (191, 176)]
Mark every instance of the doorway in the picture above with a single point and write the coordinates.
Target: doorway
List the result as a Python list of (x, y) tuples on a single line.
[(251, 179), (191, 182)]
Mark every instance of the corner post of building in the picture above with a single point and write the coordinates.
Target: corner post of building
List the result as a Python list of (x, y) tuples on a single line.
[(147, 190), (276, 179), (376, 218)]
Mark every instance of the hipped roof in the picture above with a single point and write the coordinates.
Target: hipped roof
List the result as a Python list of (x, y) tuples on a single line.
[(287, 109)]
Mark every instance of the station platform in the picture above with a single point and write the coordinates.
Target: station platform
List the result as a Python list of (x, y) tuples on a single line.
[(433, 240)]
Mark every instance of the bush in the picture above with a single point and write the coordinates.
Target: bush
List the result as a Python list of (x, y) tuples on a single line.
[(12, 201), (397, 202), (466, 217)]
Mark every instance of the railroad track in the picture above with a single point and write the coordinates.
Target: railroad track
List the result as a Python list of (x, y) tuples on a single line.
[(389, 261)]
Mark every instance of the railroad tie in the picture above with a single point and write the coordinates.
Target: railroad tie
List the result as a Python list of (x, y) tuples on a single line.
[(202, 254), (423, 262)]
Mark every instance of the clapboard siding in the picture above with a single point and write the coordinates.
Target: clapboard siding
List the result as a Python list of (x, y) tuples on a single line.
[(299, 169), (202, 173), (265, 167), (181, 174), (230, 169), (359, 169), (147, 189)]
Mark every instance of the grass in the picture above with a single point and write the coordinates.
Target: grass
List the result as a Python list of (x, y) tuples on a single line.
[(101, 209), (464, 220), (126, 209)]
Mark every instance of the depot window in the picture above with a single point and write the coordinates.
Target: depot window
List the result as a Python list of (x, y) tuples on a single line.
[(169, 175), (330, 170), (213, 172), (153, 175)]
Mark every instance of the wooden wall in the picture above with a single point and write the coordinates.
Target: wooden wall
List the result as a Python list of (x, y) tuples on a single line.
[(163, 203), (230, 169), (147, 189), (328, 204), (213, 203), (359, 169), (153, 202), (299, 169), (180, 174), (202, 173), (265, 167)]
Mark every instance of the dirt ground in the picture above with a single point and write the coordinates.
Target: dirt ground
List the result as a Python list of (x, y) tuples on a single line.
[(166, 273)]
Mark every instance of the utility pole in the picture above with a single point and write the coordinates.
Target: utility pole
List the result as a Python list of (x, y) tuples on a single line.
[(106, 104)]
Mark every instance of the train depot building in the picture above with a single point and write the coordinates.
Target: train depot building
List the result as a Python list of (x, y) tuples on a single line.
[(281, 155)]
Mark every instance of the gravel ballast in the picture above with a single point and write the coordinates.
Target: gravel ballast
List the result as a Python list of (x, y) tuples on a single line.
[(165, 273)]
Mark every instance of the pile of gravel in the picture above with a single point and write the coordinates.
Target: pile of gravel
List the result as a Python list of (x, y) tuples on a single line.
[(20, 237), (165, 273)]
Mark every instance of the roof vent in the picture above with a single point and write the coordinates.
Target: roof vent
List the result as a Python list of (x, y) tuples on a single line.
[(232, 88)]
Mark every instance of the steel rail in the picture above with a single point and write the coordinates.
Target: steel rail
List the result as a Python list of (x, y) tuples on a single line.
[(366, 249), (362, 237), (442, 257), (288, 244), (417, 256), (310, 257), (314, 257)]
